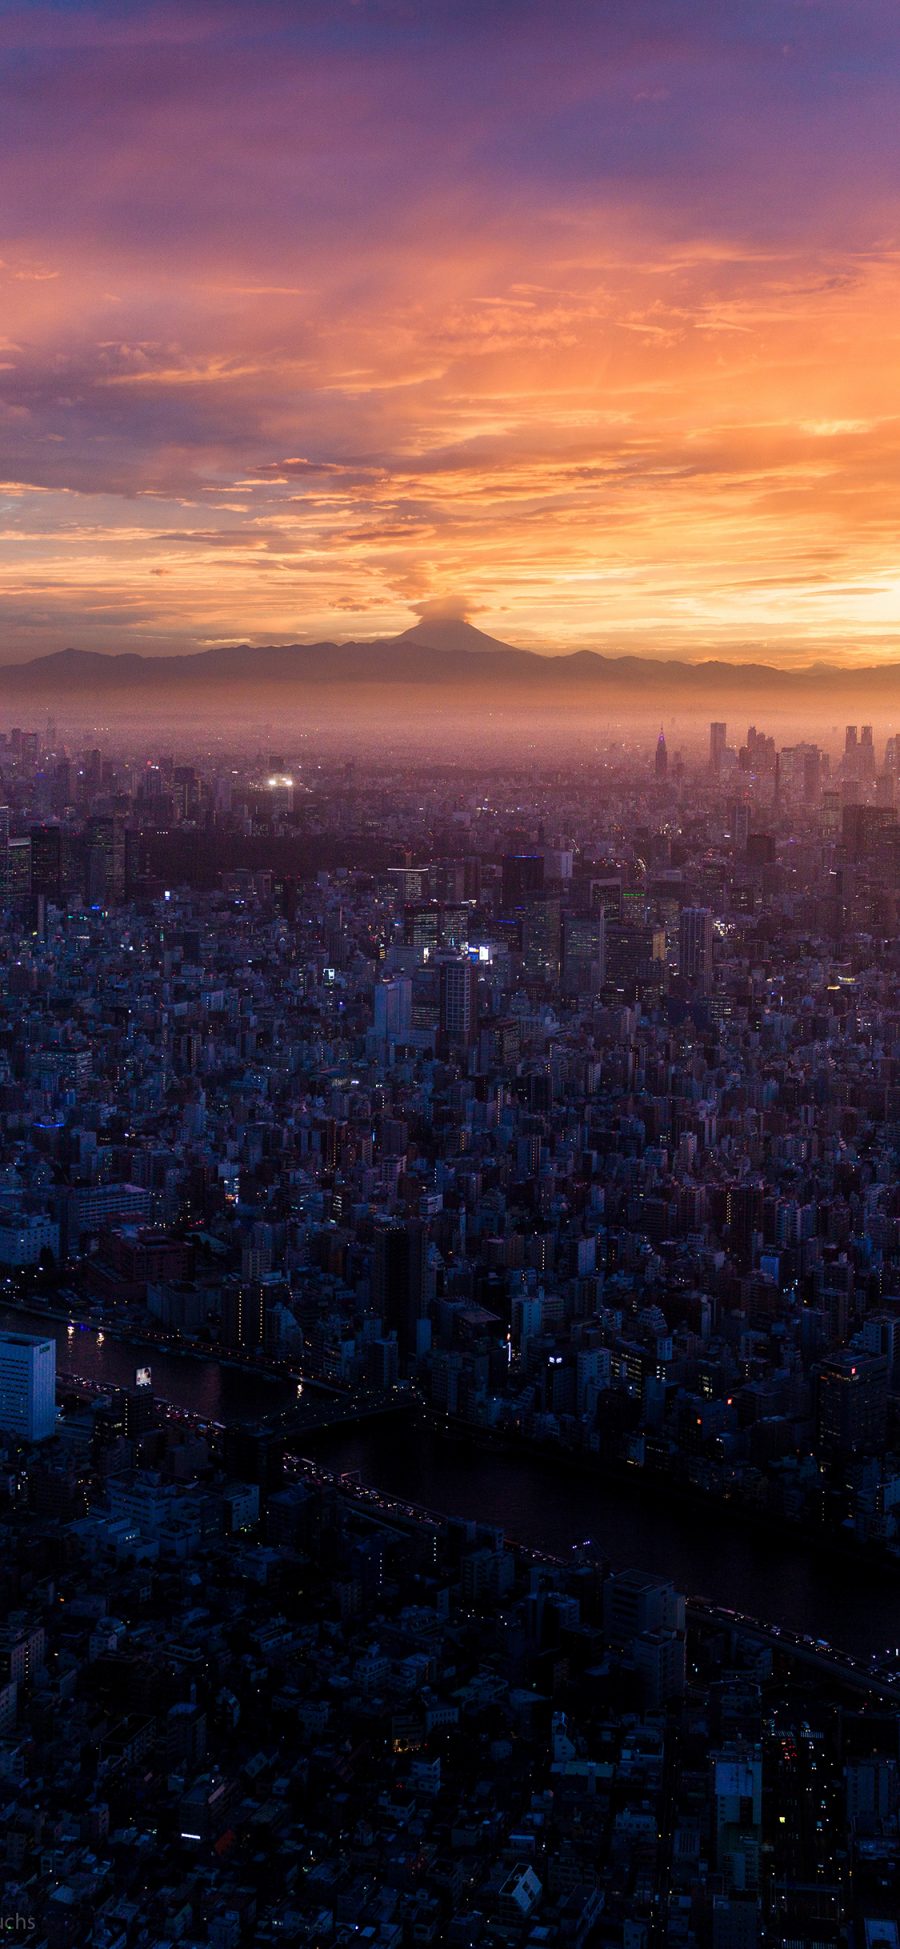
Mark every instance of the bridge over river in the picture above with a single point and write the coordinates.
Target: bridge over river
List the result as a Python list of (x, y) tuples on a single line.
[(857, 1673), (318, 1407)]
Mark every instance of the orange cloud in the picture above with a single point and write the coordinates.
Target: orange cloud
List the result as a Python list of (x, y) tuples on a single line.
[(589, 330)]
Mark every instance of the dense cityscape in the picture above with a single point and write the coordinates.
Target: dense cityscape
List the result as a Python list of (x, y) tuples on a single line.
[(366, 1127)]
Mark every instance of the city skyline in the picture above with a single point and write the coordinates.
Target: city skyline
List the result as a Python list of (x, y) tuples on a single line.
[(449, 1334), (317, 321)]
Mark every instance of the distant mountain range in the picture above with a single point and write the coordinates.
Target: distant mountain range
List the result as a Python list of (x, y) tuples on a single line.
[(449, 654)]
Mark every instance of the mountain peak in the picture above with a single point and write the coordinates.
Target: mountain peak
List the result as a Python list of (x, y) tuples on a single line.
[(450, 633)]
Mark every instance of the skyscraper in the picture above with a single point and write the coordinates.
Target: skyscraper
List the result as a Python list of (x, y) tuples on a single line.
[(695, 947), (867, 754), (583, 953), (392, 1008), (27, 1386), (522, 875), (105, 860), (717, 735), (662, 755), (541, 939), (458, 1002), (852, 1404), (401, 1284), (46, 861)]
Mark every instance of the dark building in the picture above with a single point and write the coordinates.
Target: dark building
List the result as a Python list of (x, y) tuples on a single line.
[(47, 861), (583, 953), (253, 1454), (541, 939), (865, 827), (458, 1002), (852, 1404), (744, 1217), (522, 875), (105, 860), (244, 1307), (635, 954), (695, 948), (400, 1283)]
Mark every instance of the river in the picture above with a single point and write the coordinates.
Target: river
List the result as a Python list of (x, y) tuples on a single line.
[(546, 1504), (206, 1387)]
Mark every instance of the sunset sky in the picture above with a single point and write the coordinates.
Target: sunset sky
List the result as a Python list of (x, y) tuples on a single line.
[(582, 316)]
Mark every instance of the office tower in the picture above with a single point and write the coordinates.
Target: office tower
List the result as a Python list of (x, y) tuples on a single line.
[(737, 1801), (634, 954), (739, 824), (812, 773), (798, 773), (866, 754), (583, 953), (522, 875), (401, 1285), (852, 1404), (18, 870), (458, 1002), (105, 860), (540, 939), (247, 1303), (695, 947), (717, 734), (27, 1386), (392, 1008), (744, 1217), (93, 772), (46, 861), (662, 755), (851, 752)]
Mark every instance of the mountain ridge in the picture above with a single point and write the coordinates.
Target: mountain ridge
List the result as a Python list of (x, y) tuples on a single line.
[(447, 653)]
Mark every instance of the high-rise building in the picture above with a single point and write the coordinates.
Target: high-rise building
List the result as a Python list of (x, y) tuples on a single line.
[(27, 1386), (18, 870), (105, 839), (662, 755), (737, 1801), (458, 1002), (522, 875), (634, 954), (695, 947), (744, 1217), (401, 1284), (717, 736), (392, 1008), (540, 939), (246, 1303), (46, 861), (583, 953), (866, 754), (852, 1404)]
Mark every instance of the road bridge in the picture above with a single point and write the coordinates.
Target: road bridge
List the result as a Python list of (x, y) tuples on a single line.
[(856, 1673)]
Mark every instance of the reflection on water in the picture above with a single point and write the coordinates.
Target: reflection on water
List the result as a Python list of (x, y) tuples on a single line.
[(703, 1550), (535, 1501), (206, 1387)]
